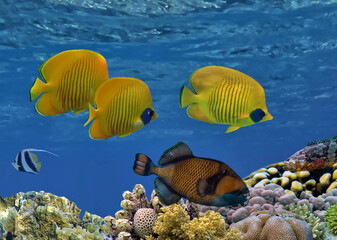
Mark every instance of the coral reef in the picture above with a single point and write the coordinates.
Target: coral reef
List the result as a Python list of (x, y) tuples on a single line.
[(280, 225), (316, 182), (175, 223), (40, 215), (317, 227), (316, 155), (331, 218)]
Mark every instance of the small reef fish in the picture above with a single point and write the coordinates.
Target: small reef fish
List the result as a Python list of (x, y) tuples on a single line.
[(70, 79), (200, 180), (26, 161), (316, 155), (224, 96), (124, 105)]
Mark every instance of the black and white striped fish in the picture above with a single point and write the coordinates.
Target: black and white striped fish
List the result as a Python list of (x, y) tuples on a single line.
[(26, 161)]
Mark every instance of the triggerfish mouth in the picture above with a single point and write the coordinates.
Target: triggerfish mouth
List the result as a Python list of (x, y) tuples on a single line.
[(200, 180)]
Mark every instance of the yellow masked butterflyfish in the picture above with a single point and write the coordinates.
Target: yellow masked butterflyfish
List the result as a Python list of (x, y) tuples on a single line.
[(70, 79), (124, 105), (225, 96)]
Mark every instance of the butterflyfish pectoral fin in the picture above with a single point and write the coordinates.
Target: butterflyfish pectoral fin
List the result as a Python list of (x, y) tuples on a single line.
[(194, 111), (79, 111), (37, 89), (92, 114), (138, 123), (165, 193), (232, 128), (46, 106)]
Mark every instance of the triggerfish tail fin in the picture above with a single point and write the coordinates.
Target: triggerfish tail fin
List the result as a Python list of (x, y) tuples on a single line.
[(165, 193), (187, 97), (143, 165), (92, 114), (37, 89)]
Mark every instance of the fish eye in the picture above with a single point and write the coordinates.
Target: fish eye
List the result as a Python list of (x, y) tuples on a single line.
[(257, 115), (147, 115)]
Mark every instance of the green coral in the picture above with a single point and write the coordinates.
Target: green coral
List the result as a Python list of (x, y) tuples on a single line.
[(318, 229), (40, 215), (321, 141), (174, 223), (330, 217)]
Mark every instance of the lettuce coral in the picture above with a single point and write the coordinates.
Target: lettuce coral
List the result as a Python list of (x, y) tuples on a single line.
[(175, 223)]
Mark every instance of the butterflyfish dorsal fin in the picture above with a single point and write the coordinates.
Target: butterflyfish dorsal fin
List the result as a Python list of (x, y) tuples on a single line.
[(64, 61), (207, 77), (174, 153), (110, 88), (38, 166), (165, 193)]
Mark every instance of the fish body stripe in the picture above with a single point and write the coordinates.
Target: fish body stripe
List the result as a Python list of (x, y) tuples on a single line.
[(18, 162), (75, 84), (229, 101), (120, 116), (30, 162)]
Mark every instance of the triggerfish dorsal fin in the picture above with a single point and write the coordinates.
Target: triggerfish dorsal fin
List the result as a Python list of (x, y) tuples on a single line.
[(165, 193), (176, 152)]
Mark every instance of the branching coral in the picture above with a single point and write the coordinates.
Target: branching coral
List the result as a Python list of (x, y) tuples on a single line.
[(318, 228), (175, 223), (331, 218)]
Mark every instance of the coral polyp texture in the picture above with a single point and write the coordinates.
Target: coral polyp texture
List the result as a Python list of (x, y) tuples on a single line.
[(279, 225), (40, 215)]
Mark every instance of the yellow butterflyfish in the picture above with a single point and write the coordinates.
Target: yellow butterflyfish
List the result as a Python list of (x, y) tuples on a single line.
[(225, 96), (124, 105), (70, 79)]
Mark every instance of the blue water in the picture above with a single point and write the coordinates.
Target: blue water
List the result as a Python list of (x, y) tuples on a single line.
[(289, 47)]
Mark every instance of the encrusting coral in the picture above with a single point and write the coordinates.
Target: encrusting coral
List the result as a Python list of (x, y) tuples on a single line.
[(280, 225), (175, 223), (40, 215)]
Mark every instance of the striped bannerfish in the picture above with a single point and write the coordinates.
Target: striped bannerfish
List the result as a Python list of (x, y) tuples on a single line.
[(70, 81), (224, 96), (124, 105), (26, 161)]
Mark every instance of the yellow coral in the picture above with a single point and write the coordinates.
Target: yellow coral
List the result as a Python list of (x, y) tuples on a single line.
[(175, 223)]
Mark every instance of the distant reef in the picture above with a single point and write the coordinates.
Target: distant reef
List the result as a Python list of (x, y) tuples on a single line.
[(302, 204)]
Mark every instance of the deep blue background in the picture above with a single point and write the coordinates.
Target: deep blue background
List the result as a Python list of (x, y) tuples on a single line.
[(289, 47)]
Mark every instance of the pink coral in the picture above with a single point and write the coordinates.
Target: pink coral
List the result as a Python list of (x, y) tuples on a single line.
[(274, 227)]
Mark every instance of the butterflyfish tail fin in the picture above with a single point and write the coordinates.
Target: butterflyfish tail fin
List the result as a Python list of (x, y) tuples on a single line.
[(92, 114), (143, 165), (187, 97), (38, 166), (37, 89)]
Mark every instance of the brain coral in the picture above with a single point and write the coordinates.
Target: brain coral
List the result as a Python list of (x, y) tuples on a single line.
[(274, 226), (144, 221)]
